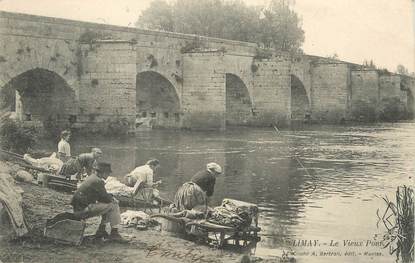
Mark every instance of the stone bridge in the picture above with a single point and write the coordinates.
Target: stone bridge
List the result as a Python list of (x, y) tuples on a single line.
[(89, 75)]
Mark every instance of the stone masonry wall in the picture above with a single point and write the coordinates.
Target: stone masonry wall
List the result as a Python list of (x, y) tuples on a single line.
[(389, 86), (239, 89), (100, 64), (203, 91), (272, 92), (365, 93), (54, 44), (410, 99), (330, 94), (300, 68), (108, 82)]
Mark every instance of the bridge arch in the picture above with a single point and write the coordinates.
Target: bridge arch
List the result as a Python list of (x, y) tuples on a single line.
[(41, 96), (157, 98), (300, 104), (239, 106)]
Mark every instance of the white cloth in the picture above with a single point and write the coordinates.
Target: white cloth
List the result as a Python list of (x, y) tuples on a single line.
[(115, 187), (143, 174), (131, 217), (64, 147), (48, 163), (214, 167)]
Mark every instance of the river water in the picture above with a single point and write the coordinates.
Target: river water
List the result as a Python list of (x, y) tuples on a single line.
[(321, 183)]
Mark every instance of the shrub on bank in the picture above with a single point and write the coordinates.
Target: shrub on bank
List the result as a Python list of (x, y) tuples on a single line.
[(118, 127), (51, 128), (15, 137)]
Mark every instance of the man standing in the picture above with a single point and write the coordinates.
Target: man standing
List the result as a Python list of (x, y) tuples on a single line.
[(85, 162), (91, 199), (64, 149)]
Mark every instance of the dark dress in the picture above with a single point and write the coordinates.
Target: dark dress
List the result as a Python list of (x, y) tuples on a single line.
[(75, 165), (206, 181), (195, 192)]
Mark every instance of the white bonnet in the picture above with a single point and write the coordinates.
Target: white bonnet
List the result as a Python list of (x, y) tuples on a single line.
[(214, 167)]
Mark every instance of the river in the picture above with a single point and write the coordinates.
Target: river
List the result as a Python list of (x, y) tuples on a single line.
[(320, 183)]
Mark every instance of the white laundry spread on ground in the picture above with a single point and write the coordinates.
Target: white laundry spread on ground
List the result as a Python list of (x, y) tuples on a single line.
[(48, 163)]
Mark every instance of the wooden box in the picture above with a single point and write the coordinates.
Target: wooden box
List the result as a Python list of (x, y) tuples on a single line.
[(66, 231)]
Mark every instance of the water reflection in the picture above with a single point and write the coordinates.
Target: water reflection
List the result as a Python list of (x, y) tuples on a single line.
[(333, 197)]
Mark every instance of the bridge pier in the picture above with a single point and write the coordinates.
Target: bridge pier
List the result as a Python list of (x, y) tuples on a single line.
[(204, 96), (107, 80)]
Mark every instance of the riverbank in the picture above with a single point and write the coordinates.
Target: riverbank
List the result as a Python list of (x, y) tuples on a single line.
[(150, 246)]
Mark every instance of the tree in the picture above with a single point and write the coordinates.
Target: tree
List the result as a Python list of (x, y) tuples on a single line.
[(280, 27), (158, 16), (401, 69), (276, 26), (369, 64)]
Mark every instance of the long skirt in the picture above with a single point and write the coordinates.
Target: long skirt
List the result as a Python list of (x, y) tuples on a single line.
[(189, 196), (71, 167)]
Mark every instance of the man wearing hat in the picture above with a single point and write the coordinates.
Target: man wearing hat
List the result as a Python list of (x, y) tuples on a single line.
[(91, 199), (85, 162), (200, 187)]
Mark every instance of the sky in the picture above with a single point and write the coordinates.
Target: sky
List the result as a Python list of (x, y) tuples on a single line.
[(355, 30)]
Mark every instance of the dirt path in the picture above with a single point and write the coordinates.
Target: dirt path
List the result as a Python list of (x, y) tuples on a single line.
[(143, 246)]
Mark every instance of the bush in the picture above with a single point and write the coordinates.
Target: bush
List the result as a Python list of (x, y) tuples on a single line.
[(51, 128), (15, 137), (119, 126)]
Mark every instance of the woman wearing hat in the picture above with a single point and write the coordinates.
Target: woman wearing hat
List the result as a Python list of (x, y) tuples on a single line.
[(200, 187)]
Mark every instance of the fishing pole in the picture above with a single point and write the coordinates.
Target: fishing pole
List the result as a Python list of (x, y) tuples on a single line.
[(299, 162)]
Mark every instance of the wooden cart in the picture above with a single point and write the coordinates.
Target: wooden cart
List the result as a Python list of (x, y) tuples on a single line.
[(211, 233)]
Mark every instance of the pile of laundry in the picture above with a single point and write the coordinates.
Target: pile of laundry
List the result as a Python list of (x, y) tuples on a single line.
[(51, 163), (120, 191), (115, 187), (233, 213), (137, 219)]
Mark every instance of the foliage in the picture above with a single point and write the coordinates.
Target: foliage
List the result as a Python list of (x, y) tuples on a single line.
[(263, 53), (153, 61), (15, 137), (334, 56), (391, 109), (275, 26), (89, 36), (369, 64), (191, 46), (401, 69), (280, 27), (119, 127), (384, 72), (254, 68), (7, 98), (398, 220), (52, 128)]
